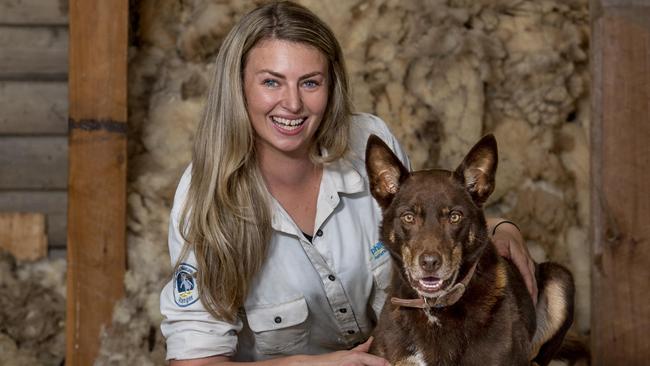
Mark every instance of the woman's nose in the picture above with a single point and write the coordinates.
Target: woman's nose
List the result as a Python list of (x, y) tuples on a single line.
[(292, 100)]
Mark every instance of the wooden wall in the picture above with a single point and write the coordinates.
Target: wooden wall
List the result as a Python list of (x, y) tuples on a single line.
[(96, 249), (620, 198), (34, 113)]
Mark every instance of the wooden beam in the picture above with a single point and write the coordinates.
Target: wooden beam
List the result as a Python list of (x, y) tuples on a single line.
[(21, 12), (33, 162), (53, 204), (23, 235), (97, 172), (33, 107), (33, 53), (620, 146)]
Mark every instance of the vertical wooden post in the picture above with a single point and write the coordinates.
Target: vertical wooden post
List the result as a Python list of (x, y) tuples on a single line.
[(97, 171), (620, 197)]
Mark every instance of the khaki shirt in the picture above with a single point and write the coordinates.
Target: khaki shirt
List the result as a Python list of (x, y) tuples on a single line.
[(309, 298)]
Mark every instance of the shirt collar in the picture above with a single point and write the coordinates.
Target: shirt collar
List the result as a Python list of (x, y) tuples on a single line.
[(339, 177), (343, 177)]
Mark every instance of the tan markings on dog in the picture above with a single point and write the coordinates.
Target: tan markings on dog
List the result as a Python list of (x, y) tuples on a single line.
[(500, 284), (407, 256), (456, 256), (471, 237), (413, 360), (551, 313), (391, 236), (388, 179)]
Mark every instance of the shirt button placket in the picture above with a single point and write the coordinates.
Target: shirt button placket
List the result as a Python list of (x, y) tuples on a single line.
[(335, 293), (345, 319)]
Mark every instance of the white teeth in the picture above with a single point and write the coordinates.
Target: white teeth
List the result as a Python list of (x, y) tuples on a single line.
[(289, 123), (431, 285)]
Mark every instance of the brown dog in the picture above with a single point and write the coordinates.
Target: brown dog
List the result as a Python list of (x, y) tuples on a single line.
[(453, 300)]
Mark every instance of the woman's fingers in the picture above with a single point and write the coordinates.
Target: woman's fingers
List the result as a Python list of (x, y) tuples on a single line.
[(509, 243), (359, 356), (365, 346), (526, 266)]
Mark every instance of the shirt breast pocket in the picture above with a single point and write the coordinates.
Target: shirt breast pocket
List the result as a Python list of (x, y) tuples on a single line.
[(279, 328), (381, 272)]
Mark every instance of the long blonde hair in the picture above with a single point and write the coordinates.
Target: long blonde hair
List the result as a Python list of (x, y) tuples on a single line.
[(226, 219)]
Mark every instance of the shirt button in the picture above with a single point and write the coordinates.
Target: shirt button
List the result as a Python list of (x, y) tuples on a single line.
[(350, 332), (331, 277), (277, 320), (319, 232), (343, 311)]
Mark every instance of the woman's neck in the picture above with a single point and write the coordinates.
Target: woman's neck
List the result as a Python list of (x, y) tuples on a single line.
[(286, 171), (294, 181)]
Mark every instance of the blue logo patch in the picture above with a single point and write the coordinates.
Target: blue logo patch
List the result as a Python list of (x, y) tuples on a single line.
[(185, 291), (378, 250)]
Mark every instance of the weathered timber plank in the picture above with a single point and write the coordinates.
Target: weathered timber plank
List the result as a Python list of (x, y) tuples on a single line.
[(625, 3), (51, 203), (33, 162), (33, 52), (31, 107), (23, 235), (42, 12), (620, 201), (97, 172)]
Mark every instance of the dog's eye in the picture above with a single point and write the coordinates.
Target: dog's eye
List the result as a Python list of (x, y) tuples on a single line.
[(408, 218), (455, 217)]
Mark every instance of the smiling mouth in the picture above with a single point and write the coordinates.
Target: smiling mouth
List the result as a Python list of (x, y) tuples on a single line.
[(430, 285), (288, 124)]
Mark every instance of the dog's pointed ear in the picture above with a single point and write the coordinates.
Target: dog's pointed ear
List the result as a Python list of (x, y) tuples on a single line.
[(385, 171), (478, 170)]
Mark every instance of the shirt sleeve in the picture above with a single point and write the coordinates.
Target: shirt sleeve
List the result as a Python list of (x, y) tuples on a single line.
[(189, 329), (378, 127)]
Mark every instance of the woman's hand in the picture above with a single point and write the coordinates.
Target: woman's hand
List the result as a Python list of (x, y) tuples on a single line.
[(510, 244), (358, 356)]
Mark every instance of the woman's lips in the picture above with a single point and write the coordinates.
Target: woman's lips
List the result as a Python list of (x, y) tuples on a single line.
[(288, 126)]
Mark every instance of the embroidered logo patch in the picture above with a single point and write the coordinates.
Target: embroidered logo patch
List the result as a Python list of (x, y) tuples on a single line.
[(185, 291), (378, 250)]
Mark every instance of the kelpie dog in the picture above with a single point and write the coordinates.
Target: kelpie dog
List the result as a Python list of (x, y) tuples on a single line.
[(452, 299)]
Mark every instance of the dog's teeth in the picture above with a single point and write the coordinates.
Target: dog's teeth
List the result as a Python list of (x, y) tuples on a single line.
[(430, 284)]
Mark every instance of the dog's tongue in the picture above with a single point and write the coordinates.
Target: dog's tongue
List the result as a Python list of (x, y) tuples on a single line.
[(430, 283)]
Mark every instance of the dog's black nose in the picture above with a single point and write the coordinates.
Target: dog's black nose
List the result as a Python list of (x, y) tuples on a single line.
[(430, 262)]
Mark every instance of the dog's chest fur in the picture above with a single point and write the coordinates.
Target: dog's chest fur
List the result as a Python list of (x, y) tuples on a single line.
[(477, 330)]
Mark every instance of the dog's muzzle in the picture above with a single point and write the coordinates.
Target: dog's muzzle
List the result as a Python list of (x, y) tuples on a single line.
[(447, 296)]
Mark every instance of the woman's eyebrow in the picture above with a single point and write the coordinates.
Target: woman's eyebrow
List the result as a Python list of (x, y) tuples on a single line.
[(281, 76), (310, 75)]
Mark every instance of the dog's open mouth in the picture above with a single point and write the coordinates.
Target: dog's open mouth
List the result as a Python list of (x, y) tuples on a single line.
[(430, 283), (430, 286)]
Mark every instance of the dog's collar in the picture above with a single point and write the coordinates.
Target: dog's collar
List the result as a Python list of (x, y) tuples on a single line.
[(447, 298)]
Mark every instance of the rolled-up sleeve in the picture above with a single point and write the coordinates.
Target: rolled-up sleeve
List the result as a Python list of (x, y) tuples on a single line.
[(192, 332), (189, 329)]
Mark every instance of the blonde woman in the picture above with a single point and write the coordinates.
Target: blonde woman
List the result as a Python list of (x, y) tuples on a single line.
[(273, 232)]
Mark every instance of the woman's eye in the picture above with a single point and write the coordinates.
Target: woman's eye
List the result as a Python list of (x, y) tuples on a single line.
[(408, 218), (310, 84), (455, 217), (270, 83)]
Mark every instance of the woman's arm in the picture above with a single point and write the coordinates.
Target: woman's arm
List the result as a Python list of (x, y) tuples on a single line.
[(356, 356), (509, 243)]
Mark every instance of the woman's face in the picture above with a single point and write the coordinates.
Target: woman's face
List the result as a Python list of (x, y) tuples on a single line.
[(286, 90)]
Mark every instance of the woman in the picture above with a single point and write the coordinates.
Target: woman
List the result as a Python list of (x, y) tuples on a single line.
[(280, 233)]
